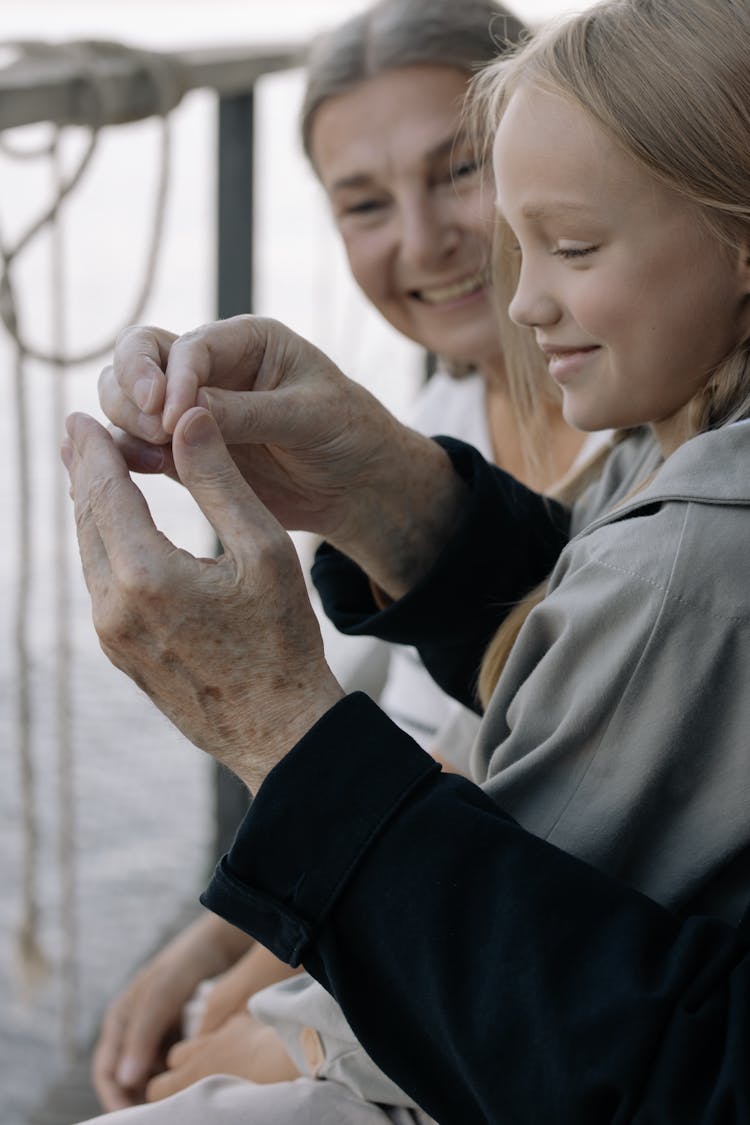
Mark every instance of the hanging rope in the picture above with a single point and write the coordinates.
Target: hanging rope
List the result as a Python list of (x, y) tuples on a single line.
[(164, 79), (32, 960), (63, 646)]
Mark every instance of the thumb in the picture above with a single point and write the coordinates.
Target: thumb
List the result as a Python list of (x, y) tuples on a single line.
[(274, 417), (205, 467)]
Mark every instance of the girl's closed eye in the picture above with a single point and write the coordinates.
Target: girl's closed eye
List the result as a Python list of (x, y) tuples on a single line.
[(574, 250)]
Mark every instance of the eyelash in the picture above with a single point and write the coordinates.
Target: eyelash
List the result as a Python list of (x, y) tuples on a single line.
[(574, 251), (365, 208), (460, 171), (465, 168)]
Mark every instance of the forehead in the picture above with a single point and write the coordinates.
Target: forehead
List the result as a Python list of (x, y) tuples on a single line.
[(387, 122), (549, 154)]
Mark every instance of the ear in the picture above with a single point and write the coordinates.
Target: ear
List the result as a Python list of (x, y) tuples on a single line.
[(743, 285), (743, 265)]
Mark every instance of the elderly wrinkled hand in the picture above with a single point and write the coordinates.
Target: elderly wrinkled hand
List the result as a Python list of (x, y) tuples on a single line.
[(301, 433), (318, 450), (228, 648)]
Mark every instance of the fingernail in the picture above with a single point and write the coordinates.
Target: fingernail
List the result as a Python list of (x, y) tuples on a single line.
[(129, 1072), (199, 429), (152, 458), (142, 393)]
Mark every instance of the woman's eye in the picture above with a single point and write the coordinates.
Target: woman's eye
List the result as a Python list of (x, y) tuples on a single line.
[(464, 168), (363, 207)]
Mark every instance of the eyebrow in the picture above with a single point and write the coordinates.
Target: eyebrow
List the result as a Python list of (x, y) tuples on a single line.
[(536, 211), (364, 179)]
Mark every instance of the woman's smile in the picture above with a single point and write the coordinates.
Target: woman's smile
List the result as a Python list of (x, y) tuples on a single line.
[(455, 293)]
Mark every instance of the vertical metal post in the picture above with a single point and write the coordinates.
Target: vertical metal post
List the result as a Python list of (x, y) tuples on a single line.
[(234, 295), (235, 205)]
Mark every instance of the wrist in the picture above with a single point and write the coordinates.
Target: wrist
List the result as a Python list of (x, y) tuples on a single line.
[(274, 729), (408, 519), (207, 946)]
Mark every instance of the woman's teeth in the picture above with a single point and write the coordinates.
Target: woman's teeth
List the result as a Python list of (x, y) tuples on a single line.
[(441, 294)]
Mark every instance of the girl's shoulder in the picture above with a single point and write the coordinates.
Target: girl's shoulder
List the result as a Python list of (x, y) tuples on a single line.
[(634, 458), (683, 533), (710, 471)]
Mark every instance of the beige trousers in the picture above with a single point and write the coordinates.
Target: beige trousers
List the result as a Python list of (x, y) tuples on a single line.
[(223, 1100)]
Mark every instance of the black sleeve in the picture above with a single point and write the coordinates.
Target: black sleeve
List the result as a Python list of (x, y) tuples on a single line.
[(493, 977), (508, 541)]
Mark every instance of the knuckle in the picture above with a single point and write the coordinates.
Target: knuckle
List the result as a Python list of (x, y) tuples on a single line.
[(136, 581), (126, 334), (105, 378), (118, 610), (135, 332), (277, 555), (174, 1054), (193, 337), (101, 489)]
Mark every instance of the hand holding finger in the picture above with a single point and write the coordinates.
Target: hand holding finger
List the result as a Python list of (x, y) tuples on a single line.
[(125, 414), (228, 353), (140, 359), (180, 626), (143, 456), (132, 390)]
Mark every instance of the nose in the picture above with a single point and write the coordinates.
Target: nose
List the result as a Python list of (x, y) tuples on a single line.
[(429, 235), (532, 305)]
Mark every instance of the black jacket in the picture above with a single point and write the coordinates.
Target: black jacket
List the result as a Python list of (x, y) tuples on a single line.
[(493, 977)]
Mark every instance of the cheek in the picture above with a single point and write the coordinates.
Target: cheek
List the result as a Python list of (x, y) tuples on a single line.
[(604, 309), (697, 313), (367, 255), (475, 213)]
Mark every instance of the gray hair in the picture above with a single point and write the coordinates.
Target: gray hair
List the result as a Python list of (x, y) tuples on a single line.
[(465, 34)]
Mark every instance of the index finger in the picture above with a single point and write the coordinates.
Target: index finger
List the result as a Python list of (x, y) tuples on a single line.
[(139, 365), (226, 353)]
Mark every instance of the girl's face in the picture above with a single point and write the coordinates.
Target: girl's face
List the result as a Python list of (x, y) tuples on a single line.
[(630, 297), (413, 208)]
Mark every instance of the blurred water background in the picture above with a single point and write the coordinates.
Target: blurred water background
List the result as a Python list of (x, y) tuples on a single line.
[(130, 821)]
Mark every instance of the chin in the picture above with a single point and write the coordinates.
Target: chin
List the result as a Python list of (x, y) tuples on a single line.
[(589, 421), (468, 346)]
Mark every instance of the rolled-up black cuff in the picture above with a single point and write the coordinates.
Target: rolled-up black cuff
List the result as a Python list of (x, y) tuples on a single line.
[(312, 820)]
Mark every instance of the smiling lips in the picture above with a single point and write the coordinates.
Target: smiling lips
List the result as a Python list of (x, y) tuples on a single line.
[(564, 362), (446, 294)]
